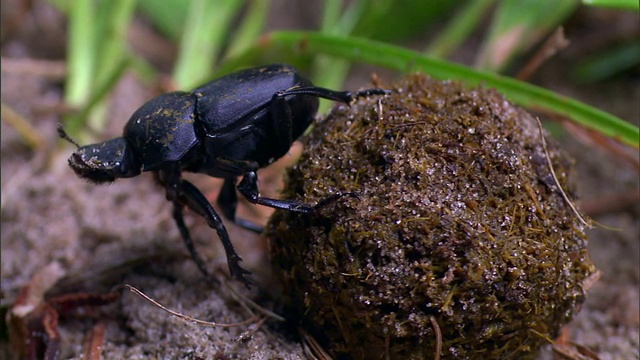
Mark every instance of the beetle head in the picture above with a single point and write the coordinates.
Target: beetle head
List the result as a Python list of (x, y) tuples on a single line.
[(103, 162)]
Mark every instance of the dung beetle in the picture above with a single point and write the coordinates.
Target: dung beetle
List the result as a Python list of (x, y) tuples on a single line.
[(229, 127)]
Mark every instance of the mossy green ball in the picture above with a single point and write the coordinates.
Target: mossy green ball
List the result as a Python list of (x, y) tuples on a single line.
[(452, 223)]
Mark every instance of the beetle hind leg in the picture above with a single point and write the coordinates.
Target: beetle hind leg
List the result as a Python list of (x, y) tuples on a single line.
[(346, 97)]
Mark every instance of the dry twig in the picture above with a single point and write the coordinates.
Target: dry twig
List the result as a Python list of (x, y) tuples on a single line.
[(436, 329), (555, 178), (187, 317)]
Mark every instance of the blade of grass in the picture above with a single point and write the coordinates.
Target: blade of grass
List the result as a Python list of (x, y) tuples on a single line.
[(518, 25), (608, 63), (331, 15), (294, 44), (251, 27), (111, 39), (76, 123), (333, 71), (398, 20), (336, 22), (96, 54), (167, 15), (459, 28), (21, 125), (81, 53), (207, 26), (630, 5)]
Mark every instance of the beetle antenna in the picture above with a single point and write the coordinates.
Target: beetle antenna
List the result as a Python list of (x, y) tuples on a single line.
[(63, 134)]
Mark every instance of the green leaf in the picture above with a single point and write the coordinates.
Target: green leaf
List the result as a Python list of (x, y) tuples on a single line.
[(296, 44)]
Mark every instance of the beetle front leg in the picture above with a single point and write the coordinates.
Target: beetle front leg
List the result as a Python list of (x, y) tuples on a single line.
[(228, 200), (186, 237), (248, 187)]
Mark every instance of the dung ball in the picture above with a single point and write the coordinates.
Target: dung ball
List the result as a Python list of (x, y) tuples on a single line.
[(451, 234)]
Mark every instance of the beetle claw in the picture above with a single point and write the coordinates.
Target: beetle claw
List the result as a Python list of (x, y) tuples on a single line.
[(370, 92), (238, 272), (333, 198)]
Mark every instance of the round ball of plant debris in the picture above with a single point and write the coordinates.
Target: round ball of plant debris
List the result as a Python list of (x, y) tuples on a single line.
[(452, 236)]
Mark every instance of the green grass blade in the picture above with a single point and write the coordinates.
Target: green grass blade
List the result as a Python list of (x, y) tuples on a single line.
[(168, 16), (337, 22), (208, 26), (330, 15), (459, 29), (608, 63), (630, 5), (81, 53), (399, 20), (250, 29), (401, 59), (96, 53), (111, 43), (517, 26), (76, 123)]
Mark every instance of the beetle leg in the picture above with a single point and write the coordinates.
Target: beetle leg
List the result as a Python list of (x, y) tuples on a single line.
[(196, 201), (227, 201), (332, 198), (171, 182), (282, 118), (182, 193), (184, 232), (281, 112), (248, 187), (346, 97)]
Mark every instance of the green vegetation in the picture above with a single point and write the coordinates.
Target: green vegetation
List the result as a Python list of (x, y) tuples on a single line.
[(211, 41)]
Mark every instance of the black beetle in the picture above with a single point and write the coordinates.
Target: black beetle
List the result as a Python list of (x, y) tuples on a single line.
[(229, 127)]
